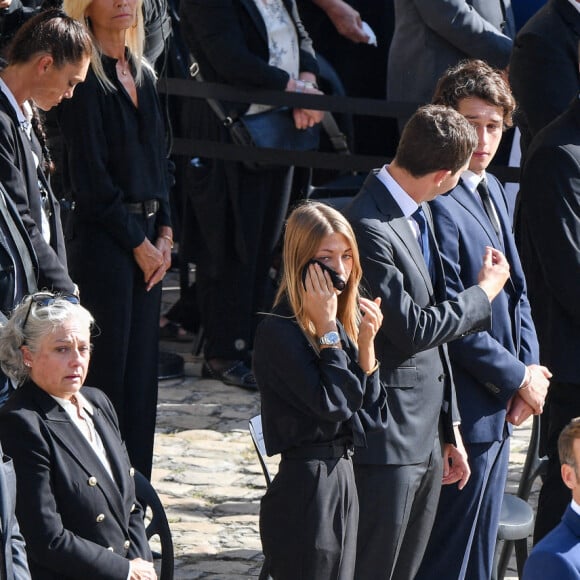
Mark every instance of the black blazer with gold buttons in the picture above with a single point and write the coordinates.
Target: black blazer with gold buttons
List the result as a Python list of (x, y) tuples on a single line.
[(77, 521)]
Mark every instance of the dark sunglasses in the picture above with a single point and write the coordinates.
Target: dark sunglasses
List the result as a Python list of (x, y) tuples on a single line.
[(43, 299)]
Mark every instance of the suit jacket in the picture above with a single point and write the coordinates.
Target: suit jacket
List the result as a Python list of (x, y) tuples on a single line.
[(13, 563), (19, 176), (557, 555), (548, 237), (488, 367), (431, 35), (410, 345), (544, 67), (77, 521)]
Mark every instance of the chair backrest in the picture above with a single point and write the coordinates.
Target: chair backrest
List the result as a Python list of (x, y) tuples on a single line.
[(534, 465), (255, 427), (158, 524)]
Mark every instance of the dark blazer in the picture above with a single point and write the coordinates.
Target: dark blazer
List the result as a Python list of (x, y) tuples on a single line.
[(431, 35), (557, 555), (308, 397), (77, 522), (543, 72), (410, 346), (488, 367), (19, 176), (548, 237), (13, 563), (230, 42)]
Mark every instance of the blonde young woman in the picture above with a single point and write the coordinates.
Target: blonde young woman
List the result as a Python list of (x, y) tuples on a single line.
[(315, 365), (120, 238)]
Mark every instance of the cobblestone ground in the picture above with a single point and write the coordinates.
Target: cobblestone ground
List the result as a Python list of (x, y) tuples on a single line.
[(209, 479)]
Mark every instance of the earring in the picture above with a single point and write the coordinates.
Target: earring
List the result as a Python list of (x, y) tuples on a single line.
[(27, 364)]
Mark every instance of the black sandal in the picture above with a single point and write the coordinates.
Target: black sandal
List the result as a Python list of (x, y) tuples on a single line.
[(236, 374)]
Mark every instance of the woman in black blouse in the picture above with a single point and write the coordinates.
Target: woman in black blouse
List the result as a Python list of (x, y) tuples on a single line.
[(314, 361), (121, 238)]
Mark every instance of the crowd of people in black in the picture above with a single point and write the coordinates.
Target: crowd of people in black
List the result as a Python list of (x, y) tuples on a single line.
[(394, 343)]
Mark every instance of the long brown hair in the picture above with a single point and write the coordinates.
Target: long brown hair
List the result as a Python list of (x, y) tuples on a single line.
[(306, 227)]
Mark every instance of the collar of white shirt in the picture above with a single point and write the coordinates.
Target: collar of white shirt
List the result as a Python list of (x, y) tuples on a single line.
[(471, 180), (407, 204)]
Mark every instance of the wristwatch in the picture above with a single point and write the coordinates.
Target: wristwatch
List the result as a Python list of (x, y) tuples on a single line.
[(331, 338)]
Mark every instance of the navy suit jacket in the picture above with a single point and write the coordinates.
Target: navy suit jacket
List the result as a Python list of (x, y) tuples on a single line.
[(557, 555), (488, 367), (410, 345), (19, 176), (13, 563), (77, 521)]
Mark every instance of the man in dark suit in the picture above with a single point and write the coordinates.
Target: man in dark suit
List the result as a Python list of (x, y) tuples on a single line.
[(548, 237), (544, 66), (432, 35), (13, 561), (557, 556), (497, 371), (400, 472)]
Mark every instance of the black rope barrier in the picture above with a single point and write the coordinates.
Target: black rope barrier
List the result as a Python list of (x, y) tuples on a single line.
[(190, 147)]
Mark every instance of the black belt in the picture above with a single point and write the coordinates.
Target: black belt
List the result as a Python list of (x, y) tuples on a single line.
[(332, 450), (146, 208)]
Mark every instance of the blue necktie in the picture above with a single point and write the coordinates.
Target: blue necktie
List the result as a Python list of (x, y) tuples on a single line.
[(419, 217)]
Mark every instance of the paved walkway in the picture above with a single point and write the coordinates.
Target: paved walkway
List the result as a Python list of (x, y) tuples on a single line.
[(207, 474)]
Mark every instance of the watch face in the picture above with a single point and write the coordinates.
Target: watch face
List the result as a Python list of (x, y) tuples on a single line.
[(330, 338)]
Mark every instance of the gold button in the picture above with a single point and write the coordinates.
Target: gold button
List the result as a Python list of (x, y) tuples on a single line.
[(132, 472), (110, 548), (92, 481), (133, 508), (126, 544), (101, 518)]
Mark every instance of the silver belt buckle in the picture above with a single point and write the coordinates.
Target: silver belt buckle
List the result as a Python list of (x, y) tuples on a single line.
[(150, 208)]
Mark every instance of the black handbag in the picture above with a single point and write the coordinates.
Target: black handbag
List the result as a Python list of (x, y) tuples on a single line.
[(274, 129)]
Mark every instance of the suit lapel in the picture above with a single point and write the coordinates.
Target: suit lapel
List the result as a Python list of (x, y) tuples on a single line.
[(467, 199), (400, 225), (73, 442)]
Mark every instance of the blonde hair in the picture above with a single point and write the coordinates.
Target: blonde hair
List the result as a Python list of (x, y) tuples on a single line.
[(306, 227), (134, 40)]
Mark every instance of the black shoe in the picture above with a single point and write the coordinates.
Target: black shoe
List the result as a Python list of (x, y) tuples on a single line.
[(234, 373), (174, 332)]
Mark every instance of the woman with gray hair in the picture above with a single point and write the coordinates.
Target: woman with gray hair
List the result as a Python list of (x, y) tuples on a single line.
[(76, 495)]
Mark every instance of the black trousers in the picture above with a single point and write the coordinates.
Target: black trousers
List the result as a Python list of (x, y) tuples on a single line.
[(308, 520), (126, 343), (398, 504), (230, 300), (562, 405)]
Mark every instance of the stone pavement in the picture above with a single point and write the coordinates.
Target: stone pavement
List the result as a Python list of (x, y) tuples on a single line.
[(209, 479)]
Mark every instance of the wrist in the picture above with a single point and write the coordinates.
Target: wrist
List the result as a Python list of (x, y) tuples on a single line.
[(301, 85), (168, 238), (527, 380), (374, 369)]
